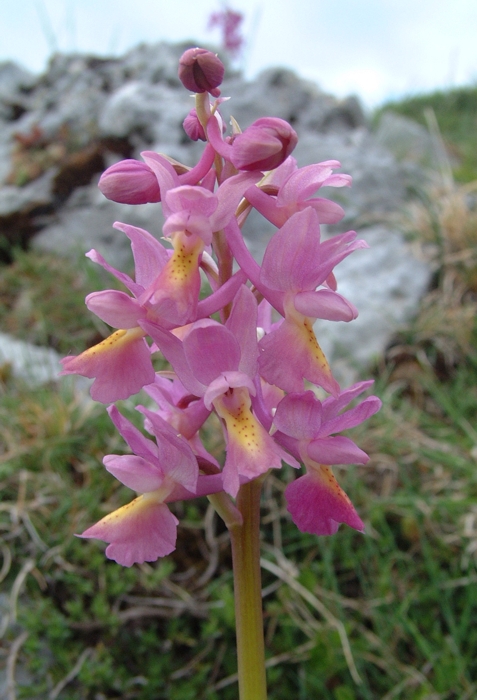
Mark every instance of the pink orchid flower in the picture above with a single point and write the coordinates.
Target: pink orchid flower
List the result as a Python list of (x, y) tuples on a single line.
[(161, 471), (193, 214), (295, 264), (306, 427), (289, 189), (121, 364)]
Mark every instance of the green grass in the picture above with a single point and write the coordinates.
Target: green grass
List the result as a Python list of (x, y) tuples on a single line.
[(42, 301), (456, 114), (404, 593), (389, 614)]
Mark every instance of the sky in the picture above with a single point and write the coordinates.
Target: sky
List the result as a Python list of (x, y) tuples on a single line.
[(376, 49)]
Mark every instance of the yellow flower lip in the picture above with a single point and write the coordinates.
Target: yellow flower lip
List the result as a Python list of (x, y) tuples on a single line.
[(242, 426), (115, 341)]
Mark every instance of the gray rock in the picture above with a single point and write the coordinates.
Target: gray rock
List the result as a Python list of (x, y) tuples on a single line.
[(86, 221), (145, 114), (279, 92), (15, 83), (385, 283), (406, 139), (34, 364)]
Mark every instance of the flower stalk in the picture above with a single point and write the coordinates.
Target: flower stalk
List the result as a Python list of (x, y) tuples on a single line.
[(245, 540)]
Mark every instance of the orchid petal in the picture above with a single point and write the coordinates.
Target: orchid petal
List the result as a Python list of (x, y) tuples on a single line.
[(290, 260), (250, 449), (115, 308), (299, 415), (96, 257), (242, 323), (353, 417), (336, 450), (290, 354), (305, 182), (134, 472), (166, 176), (139, 444), (211, 351), (172, 349), (226, 381), (174, 453), (332, 406), (149, 254), (329, 212), (325, 304), (229, 195)]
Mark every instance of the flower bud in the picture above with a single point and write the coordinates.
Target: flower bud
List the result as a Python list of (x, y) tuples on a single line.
[(193, 127), (130, 182), (201, 71), (264, 145)]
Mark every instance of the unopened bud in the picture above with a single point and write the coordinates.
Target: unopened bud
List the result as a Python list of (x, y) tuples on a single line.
[(201, 71), (193, 127), (264, 145), (130, 182)]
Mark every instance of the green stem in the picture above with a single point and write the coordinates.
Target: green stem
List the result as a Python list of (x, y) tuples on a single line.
[(248, 594)]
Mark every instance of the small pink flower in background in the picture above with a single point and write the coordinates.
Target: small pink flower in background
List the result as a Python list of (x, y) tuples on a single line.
[(229, 22)]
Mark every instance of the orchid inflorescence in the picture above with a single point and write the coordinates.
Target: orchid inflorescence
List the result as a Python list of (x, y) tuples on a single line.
[(246, 352)]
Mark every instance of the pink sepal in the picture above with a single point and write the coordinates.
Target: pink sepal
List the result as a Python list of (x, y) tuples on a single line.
[(325, 304), (149, 254), (135, 472), (115, 308), (336, 450), (349, 419), (140, 445), (96, 257)]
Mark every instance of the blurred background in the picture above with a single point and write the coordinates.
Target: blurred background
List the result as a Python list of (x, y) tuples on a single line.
[(377, 50)]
